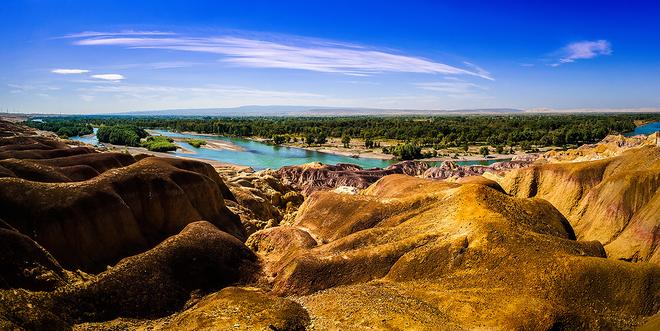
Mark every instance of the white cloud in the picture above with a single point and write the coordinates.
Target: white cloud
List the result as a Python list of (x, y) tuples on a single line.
[(69, 71), (583, 50), (87, 34), (111, 77), (286, 53)]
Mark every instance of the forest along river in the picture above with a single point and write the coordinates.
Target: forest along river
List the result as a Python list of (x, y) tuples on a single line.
[(258, 155)]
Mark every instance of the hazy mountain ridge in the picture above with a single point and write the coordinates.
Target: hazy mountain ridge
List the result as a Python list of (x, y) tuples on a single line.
[(308, 111)]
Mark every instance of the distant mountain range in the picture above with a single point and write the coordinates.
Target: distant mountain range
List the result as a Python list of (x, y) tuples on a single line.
[(311, 111), (279, 110)]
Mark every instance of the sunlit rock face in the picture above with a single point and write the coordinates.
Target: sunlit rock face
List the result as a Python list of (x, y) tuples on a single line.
[(432, 254), (614, 200), (91, 209)]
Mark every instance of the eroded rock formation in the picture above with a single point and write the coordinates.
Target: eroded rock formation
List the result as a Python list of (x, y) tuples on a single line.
[(422, 254), (614, 200), (91, 209), (313, 177), (402, 253)]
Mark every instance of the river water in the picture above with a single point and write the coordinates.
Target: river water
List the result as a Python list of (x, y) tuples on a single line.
[(645, 129), (258, 155)]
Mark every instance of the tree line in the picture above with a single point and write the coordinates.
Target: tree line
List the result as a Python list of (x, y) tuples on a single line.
[(63, 128), (421, 131)]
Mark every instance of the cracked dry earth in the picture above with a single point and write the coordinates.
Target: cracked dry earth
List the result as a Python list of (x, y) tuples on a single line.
[(110, 241)]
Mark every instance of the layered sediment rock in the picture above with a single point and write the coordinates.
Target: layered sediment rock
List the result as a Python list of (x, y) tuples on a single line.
[(610, 146), (451, 170), (423, 254), (156, 283), (615, 200), (313, 177), (402, 253), (91, 209)]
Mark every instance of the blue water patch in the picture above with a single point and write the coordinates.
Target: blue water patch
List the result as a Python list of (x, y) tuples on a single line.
[(645, 129), (88, 139), (261, 156)]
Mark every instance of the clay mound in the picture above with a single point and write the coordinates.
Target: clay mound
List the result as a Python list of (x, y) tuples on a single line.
[(10, 129), (64, 169), (155, 283), (19, 143), (45, 154), (615, 201), (25, 264), (100, 162), (415, 253), (482, 181), (121, 212), (35, 172), (242, 308)]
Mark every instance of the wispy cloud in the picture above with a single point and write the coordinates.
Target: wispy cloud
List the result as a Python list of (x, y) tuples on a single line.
[(285, 53), (20, 88), (111, 77), (583, 50), (87, 34), (454, 88), (69, 71)]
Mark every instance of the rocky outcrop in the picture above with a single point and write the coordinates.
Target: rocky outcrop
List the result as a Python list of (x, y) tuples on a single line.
[(116, 214), (424, 254), (610, 146), (27, 265), (199, 260), (615, 200), (91, 209), (313, 177), (401, 253), (260, 199), (451, 170)]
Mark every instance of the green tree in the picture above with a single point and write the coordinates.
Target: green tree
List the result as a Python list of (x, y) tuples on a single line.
[(309, 139), (407, 151), (483, 151), (278, 139), (346, 140), (321, 138), (368, 143)]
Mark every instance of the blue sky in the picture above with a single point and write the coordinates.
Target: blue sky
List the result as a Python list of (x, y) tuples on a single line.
[(113, 56)]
